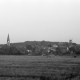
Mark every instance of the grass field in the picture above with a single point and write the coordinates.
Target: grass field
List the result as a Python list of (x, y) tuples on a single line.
[(39, 68)]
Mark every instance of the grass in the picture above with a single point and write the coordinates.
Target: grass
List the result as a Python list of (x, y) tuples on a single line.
[(39, 68)]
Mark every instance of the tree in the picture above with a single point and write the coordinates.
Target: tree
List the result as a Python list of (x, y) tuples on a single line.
[(9, 50)]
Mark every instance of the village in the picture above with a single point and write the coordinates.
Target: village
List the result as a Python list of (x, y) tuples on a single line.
[(36, 48)]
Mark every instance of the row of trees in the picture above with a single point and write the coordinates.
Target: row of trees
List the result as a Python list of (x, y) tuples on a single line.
[(37, 49), (9, 50)]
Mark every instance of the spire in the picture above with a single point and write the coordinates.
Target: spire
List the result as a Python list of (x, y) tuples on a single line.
[(8, 40)]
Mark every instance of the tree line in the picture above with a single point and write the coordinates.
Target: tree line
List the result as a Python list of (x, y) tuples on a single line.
[(41, 48)]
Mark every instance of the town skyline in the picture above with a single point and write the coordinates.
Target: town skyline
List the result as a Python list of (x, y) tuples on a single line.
[(8, 41)]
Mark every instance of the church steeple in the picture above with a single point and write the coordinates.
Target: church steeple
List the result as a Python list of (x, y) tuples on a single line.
[(8, 40)]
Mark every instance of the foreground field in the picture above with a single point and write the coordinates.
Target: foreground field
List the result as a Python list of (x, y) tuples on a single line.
[(39, 68)]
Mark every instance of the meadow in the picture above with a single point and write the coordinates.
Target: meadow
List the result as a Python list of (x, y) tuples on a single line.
[(24, 67)]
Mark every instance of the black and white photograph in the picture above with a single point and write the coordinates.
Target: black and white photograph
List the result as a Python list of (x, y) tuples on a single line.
[(39, 39)]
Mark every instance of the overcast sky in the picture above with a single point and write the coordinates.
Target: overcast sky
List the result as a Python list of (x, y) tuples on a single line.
[(50, 20)]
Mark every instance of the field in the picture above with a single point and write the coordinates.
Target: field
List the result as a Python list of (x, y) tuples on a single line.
[(39, 68)]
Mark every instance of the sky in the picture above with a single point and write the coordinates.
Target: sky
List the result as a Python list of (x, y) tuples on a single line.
[(37, 20)]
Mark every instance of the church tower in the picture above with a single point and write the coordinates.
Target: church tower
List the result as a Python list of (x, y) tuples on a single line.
[(8, 41)]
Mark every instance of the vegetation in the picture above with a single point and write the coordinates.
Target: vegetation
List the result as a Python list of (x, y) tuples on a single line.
[(39, 68), (41, 48), (9, 50)]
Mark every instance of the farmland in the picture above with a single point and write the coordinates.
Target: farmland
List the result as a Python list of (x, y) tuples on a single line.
[(39, 67)]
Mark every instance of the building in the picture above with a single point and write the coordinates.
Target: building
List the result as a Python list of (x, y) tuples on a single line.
[(8, 41)]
